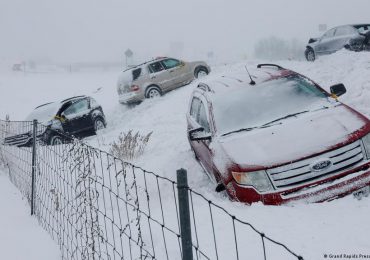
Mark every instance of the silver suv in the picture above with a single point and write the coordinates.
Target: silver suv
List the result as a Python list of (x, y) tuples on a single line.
[(154, 78)]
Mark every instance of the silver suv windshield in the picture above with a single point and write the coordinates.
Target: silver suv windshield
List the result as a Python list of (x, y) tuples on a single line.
[(251, 107)]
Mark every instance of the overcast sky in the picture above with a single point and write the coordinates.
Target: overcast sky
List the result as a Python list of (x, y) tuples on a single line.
[(97, 30)]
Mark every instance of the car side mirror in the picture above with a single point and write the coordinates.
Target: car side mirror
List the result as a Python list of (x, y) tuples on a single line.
[(198, 134), (338, 90)]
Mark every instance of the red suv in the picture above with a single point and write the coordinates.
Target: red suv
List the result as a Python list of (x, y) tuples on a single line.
[(276, 136)]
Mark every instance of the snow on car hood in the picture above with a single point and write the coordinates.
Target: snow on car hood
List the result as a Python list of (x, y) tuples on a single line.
[(44, 113), (293, 139)]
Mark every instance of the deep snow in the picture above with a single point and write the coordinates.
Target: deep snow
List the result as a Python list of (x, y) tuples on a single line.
[(21, 237), (313, 230)]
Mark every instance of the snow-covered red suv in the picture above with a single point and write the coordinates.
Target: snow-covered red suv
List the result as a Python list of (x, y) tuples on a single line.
[(278, 137)]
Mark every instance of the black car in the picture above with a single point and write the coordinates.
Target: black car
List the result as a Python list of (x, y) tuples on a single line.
[(61, 121), (352, 37)]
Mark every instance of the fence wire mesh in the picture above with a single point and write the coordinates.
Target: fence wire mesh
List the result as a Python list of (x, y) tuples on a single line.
[(97, 206)]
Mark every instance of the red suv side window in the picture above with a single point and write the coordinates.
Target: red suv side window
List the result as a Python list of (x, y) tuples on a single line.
[(195, 108), (202, 117), (198, 113)]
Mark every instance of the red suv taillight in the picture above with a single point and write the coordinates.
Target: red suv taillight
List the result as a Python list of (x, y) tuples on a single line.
[(134, 88)]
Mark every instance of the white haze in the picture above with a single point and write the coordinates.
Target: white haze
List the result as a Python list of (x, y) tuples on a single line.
[(101, 30)]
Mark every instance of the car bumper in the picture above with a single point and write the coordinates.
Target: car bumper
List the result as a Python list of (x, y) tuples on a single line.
[(20, 140), (324, 190), (131, 97)]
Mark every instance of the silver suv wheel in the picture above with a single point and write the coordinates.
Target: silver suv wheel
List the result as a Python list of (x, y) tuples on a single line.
[(153, 92), (201, 74)]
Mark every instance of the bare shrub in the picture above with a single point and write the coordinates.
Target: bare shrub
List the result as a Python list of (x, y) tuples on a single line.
[(129, 145)]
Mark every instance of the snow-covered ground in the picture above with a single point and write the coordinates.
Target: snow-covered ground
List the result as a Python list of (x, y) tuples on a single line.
[(337, 227), (21, 237)]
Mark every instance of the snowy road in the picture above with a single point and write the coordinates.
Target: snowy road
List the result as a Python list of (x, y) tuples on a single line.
[(21, 237), (312, 230)]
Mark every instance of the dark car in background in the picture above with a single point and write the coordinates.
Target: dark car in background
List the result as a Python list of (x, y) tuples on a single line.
[(352, 37), (60, 121)]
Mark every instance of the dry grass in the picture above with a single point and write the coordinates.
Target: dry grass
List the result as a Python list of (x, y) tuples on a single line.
[(129, 145)]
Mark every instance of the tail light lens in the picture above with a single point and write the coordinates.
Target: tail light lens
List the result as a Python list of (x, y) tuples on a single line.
[(134, 88)]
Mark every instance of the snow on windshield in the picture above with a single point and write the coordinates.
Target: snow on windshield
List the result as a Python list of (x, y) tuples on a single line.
[(44, 113), (253, 106)]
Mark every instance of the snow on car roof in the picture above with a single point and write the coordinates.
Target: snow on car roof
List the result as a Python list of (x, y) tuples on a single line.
[(221, 84), (145, 62), (47, 111), (73, 98), (360, 25)]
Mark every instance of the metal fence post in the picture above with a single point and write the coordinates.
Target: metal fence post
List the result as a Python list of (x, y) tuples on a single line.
[(33, 179), (186, 241)]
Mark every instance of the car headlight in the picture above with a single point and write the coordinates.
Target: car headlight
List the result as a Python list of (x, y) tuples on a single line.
[(366, 141), (257, 179)]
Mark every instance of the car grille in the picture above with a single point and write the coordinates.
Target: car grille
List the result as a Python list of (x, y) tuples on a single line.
[(300, 172), (17, 140)]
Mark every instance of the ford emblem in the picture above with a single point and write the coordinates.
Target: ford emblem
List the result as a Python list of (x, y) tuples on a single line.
[(320, 165)]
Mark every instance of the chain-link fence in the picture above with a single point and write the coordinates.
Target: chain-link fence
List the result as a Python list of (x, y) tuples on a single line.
[(97, 206)]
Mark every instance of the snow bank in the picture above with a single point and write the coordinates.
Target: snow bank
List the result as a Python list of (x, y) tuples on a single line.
[(21, 237), (311, 230)]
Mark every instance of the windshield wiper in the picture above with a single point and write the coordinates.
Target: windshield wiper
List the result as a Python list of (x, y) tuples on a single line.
[(240, 130), (267, 124), (284, 117)]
